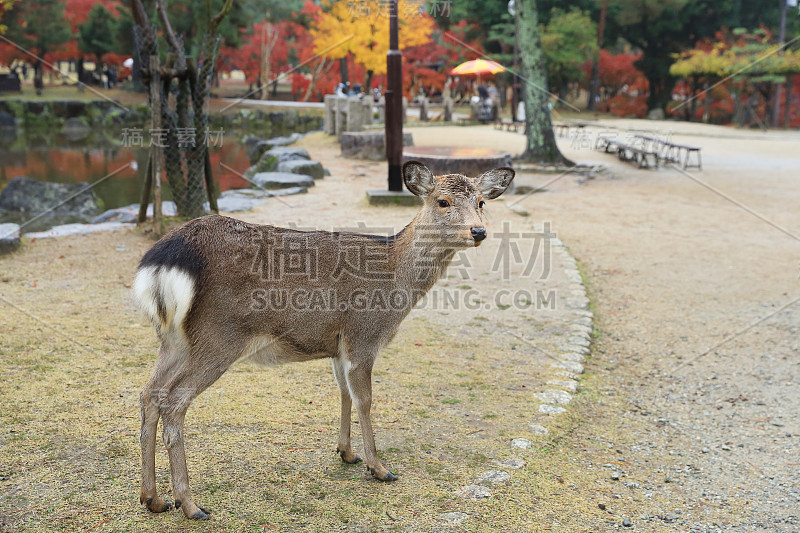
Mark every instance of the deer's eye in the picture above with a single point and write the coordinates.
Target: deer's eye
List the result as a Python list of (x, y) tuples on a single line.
[(444, 203), (481, 204)]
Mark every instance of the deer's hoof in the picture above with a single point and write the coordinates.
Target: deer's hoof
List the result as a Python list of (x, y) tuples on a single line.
[(388, 477), (201, 514), (348, 456), (352, 459), (157, 505)]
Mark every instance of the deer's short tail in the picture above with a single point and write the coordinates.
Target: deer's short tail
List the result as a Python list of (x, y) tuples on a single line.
[(168, 279), (165, 294)]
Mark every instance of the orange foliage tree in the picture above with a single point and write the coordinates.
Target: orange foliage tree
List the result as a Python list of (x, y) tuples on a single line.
[(361, 30)]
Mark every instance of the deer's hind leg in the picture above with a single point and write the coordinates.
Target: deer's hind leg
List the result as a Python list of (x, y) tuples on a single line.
[(214, 355), (170, 356)]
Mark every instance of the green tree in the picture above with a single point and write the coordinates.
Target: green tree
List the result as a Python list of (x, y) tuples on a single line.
[(568, 40), (39, 26), (97, 34), (541, 142), (663, 28)]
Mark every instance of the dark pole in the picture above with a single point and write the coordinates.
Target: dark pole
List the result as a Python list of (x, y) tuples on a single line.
[(394, 104)]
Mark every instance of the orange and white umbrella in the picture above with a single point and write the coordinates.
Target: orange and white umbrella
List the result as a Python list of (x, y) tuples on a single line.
[(477, 66)]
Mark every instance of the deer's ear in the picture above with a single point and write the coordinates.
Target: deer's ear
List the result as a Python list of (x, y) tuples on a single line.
[(419, 178), (493, 183)]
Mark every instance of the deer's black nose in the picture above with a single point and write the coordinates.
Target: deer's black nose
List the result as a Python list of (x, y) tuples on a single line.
[(478, 234)]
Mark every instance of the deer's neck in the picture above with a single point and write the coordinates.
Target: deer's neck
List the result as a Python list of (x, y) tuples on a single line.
[(420, 259)]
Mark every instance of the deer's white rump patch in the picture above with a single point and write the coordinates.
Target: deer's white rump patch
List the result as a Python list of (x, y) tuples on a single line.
[(169, 289)]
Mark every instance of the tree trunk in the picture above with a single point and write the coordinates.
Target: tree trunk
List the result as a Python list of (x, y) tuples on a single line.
[(787, 115), (656, 69), (541, 142), (706, 102), (343, 69), (593, 85), (368, 82), (38, 76)]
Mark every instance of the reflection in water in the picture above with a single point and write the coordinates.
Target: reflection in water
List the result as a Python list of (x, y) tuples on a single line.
[(59, 160)]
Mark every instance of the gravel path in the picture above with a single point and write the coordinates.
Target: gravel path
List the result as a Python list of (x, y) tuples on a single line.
[(703, 430)]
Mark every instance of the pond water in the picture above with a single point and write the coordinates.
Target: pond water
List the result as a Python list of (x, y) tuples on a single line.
[(57, 158)]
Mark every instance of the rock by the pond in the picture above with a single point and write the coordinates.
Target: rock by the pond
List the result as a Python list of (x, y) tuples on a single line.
[(76, 129), (6, 120), (25, 195), (494, 476), (281, 180), (9, 238), (288, 152), (117, 215), (521, 443), (288, 191), (233, 204), (255, 146), (261, 193), (168, 209), (476, 492), (284, 141), (244, 193), (302, 166), (269, 160), (67, 230)]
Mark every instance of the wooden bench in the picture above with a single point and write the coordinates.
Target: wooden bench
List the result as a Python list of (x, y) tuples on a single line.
[(509, 125), (688, 151), (626, 152), (561, 130), (679, 154)]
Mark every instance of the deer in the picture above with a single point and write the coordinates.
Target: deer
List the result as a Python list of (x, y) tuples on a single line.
[(219, 290)]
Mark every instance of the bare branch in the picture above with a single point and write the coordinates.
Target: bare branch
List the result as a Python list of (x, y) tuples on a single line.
[(161, 7), (221, 15)]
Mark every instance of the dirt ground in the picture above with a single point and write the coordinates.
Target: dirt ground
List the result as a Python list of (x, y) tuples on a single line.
[(668, 432), (702, 435)]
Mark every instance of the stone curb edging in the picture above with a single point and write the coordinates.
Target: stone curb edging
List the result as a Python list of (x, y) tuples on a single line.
[(567, 368)]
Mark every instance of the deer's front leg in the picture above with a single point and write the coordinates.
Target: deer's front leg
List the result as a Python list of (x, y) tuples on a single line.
[(343, 446), (359, 379)]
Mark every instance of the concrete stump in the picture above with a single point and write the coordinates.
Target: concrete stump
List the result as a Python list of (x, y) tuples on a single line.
[(471, 162), (368, 144)]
